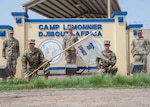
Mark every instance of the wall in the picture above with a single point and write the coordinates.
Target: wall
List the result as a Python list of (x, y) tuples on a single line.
[(113, 29)]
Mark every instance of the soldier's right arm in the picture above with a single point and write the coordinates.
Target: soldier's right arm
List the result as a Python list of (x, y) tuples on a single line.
[(147, 46), (64, 42), (4, 48), (132, 47), (24, 63)]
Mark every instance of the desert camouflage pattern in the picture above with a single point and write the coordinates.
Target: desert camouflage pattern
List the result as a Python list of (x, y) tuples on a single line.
[(32, 60), (11, 52), (140, 50), (70, 55), (140, 46), (108, 67)]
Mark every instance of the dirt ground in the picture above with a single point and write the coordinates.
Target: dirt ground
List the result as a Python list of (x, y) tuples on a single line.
[(76, 98)]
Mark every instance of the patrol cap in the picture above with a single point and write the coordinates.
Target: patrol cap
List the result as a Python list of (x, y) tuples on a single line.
[(11, 31), (106, 42), (31, 41), (70, 27), (139, 31)]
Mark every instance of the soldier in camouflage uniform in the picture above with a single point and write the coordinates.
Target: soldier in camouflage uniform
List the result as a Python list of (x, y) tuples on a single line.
[(140, 49), (107, 65), (68, 40), (11, 52), (32, 58)]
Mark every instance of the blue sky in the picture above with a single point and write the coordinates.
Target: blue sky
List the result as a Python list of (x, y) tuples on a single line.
[(138, 11)]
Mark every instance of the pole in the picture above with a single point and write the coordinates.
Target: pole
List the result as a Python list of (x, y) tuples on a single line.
[(108, 8)]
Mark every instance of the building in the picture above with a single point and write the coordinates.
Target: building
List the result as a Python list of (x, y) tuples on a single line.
[(102, 15)]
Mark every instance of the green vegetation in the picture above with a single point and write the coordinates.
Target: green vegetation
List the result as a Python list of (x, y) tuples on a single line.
[(85, 81)]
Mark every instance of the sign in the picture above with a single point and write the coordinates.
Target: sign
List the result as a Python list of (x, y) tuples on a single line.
[(50, 47), (61, 29)]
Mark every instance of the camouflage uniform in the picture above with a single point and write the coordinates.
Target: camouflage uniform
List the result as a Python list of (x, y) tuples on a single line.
[(11, 53), (70, 55), (108, 67), (32, 60), (140, 50)]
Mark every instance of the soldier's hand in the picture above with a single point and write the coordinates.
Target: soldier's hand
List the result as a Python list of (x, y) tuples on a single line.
[(147, 53), (76, 52), (50, 59), (100, 71), (65, 52), (5, 57), (106, 59), (26, 75)]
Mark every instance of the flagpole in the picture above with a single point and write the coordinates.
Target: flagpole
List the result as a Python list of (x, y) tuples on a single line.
[(57, 55)]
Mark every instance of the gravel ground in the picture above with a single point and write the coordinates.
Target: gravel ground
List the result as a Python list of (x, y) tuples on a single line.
[(76, 98)]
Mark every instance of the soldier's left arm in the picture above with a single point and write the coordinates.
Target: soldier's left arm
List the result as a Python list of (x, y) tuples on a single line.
[(18, 49), (147, 45), (112, 60), (24, 63), (41, 56), (4, 48), (77, 38)]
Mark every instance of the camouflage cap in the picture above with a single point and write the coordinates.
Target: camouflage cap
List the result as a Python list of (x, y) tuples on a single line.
[(139, 31), (11, 31), (106, 42), (31, 41)]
